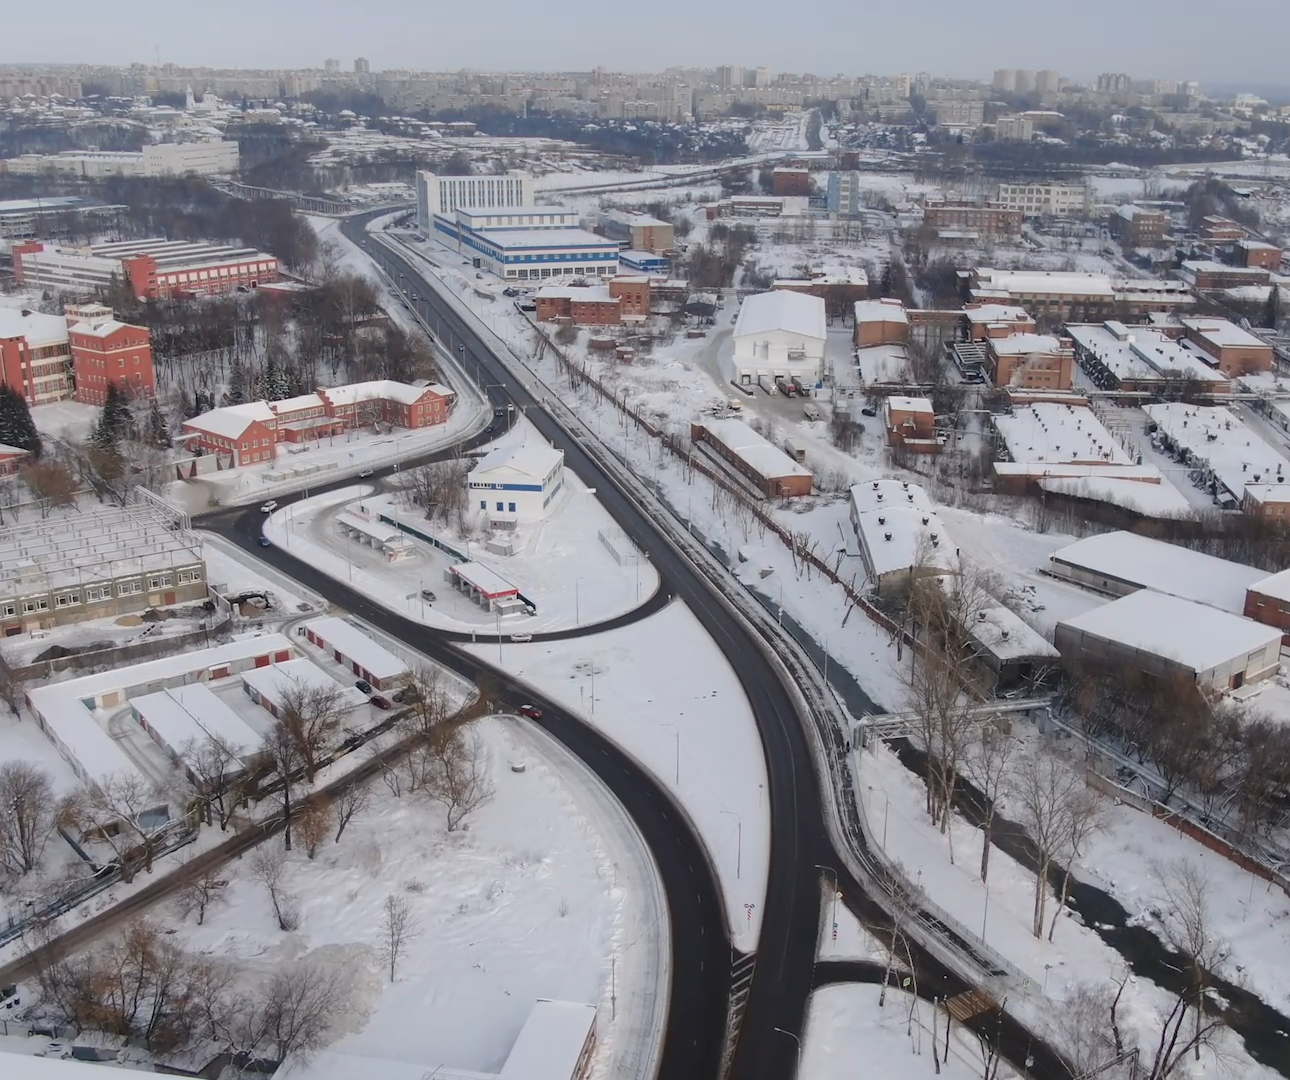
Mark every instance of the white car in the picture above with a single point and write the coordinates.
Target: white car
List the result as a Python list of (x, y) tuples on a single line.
[(269, 507), (521, 637), (56, 1048)]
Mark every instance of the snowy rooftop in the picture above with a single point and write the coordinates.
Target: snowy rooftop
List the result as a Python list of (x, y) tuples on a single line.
[(1194, 635), (551, 1042), (586, 294), (1140, 353), (1052, 432), (1152, 564), (883, 364), (1276, 586), (380, 390), (192, 714), (1004, 634), (484, 579), (1025, 344), (898, 537), (761, 455), (545, 238), (1218, 438), (535, 459), (901, 403), (37, 327), (230, 421), (782, 309), (295, 404), (355, 645), (881, 311), (1158, 500), (876, 494), (97, 327), (984, 314), (1224, 333), (1039, 282), (274, 681)]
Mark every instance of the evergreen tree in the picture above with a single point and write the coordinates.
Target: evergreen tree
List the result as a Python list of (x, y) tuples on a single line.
[(885, 285), (237, 382), (16, 425), (116, 421), (158, 431), (1271, 313)]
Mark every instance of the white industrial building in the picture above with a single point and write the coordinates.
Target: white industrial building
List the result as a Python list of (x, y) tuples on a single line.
[(899, 534), (780, 335), (205, 158), (1168, 636), (181, 719), (516, 484), (269, 685), (1119, 563), (441, 195), (526, 243)]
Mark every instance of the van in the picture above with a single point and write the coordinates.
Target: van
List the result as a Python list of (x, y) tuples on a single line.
[(736, 405), (810, 411), (797, 453)]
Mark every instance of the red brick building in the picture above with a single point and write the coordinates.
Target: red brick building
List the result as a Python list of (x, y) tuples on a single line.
[(1139, 226), (1268, 601), (11, 459), (632, 291), (986, 218), (1234, 351), (625, 298), (1257, 253), (880, 322), (1221, 229), (104, 352), (911, 423), (790, 181)]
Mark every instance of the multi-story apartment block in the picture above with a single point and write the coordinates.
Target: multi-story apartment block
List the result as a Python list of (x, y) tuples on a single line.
[(987, 218), (204, 158), (1139, 226), (844, 193), (1019, 128)]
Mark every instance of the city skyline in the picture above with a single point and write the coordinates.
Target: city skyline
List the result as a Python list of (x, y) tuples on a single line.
[(945, 39)]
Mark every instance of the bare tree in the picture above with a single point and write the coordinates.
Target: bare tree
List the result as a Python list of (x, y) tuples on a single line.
[(215, 771), (398, 927), (288, 761), (200, 891), (354, 799), (28, 812), (113, 810), (458, 775), (269, 864), (1045, 788), (1188, 928), (311, 716), (12, 689), (313, 821), (293, 1011), (987, 765), (1086, 1030), (51, 485), (1083, 816)]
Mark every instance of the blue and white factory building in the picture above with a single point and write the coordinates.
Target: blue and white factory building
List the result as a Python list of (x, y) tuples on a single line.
[(527, 243)]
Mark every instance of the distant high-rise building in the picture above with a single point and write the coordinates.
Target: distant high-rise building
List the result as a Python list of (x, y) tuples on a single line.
[(1025, 81), (1005, 80), (1047, 82), (362, 67), (331, 67), (730, 77), (1111, 83)]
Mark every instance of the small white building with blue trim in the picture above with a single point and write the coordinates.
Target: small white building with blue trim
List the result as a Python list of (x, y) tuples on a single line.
[(516, 484)]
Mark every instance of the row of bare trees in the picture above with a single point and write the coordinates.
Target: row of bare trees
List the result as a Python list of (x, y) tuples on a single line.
[(143, 986)]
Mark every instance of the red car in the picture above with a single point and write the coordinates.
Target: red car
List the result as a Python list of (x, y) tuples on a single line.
[(380, 701), (531, 711)]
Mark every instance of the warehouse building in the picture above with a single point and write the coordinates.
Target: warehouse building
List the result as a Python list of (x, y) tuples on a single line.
[(102, 561), (514, 485), (352, 648), (1120, 563), (1139, 358), (155, 269), (271, 685), (181, 719), (763, 464), (54, 215), (638, 232), (1165, 635), (899, 534), (779, 335), (1009, 649), (880, 322), (531, 253)]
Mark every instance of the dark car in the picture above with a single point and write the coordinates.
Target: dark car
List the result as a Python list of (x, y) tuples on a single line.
[(531, 711), (365, 686), (869, 410), (265, 541), (380, 701)]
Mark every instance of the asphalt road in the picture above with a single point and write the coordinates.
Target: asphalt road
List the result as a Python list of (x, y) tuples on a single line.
[(790, 914)]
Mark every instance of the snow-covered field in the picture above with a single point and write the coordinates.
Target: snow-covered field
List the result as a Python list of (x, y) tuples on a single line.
[(531, 899), (847, 1036), (661, 690)]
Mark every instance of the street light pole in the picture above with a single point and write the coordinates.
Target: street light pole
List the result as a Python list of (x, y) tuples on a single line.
[(799, 1047), (739, 848)]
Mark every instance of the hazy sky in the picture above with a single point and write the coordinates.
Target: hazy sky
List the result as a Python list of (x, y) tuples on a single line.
[(1248, 41)]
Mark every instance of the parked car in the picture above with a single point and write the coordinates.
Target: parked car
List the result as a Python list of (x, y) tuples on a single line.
[(380, 701), (428, 596), (868, 410), (521, 637), (264, 541), (531, 711), (56, 1048), (269, 507), (365, 686)]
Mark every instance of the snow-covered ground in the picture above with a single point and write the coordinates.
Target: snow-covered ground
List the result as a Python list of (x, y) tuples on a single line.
[(236, 572), (559, 564), (532, 899), (848, 1036), (68, 420), (661, 689)]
